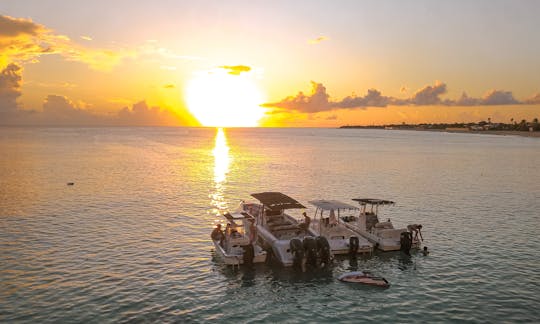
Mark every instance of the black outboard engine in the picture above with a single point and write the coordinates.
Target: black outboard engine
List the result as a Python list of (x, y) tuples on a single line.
[(405, 241), (354, 244), (310, 247), (249, 254), (297, 250), (323, 249)]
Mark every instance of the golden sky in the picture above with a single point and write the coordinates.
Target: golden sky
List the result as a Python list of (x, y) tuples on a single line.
[(279, 63)]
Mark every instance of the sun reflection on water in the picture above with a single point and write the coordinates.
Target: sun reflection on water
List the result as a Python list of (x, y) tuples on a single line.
[(222, 161)]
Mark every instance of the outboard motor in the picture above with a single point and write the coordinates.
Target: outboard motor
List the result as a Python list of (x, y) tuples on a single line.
[(249, 254), (405, 241), (323, 249), (297, 250), (354, 243), (310, 247)]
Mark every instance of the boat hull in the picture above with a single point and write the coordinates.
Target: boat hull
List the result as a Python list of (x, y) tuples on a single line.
[(386, 241), (236, 256)]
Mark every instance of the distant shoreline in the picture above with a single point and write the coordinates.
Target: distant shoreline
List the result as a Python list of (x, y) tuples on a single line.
[(484, 132), (487, 132)]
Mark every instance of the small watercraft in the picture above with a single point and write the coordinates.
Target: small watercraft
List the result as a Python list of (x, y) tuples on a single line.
[(365, 278)]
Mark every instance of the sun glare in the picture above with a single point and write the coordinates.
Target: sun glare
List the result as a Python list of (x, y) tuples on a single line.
[(219, 99)]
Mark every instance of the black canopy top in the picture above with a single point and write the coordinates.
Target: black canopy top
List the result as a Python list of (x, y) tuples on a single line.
[(277, 200), (370, 201)]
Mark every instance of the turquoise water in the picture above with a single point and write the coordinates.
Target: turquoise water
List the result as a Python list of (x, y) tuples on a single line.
[(129, 241)]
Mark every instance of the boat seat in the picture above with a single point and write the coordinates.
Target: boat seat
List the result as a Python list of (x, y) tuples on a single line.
[(286, 227)]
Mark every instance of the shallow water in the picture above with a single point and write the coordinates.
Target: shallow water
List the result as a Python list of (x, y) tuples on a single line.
[(130, 239)]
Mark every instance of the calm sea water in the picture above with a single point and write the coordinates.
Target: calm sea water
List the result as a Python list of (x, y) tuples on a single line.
[(129, 241)]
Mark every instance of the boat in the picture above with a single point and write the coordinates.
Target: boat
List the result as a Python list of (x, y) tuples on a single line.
[(235, 247), (292, 242), (327, 223), (365, 278), (382, 234)]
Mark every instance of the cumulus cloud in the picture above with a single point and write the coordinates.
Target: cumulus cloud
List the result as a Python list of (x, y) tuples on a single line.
[(61, 111), (318, 40), (534, 100), (372, 99), (316, 101), (22, 40), (142, 115), (236, 69), (10, 87), (497, 97), (430, 95)]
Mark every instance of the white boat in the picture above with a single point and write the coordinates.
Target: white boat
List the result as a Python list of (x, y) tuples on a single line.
[(291, 243), (236, 247), (327, 222), (382, 234)]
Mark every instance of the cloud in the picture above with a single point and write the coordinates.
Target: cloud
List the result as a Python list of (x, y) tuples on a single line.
[(236, 69), (534, 100), (318, 40), (142, 115), (22, 40), (372, 99), (315, 102), (87, 38), (14, 27), (169, 86), (61, 111), (10, 87), (430, 95), (497, 97)]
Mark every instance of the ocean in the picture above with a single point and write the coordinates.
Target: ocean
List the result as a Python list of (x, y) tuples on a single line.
[(129, 240)]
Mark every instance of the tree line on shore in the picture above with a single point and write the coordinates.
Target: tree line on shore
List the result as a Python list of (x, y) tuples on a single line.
[(523, 126)]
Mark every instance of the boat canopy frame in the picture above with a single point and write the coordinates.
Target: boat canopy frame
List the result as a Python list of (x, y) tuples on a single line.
[(364, 202), (331, 204), (277, 201)]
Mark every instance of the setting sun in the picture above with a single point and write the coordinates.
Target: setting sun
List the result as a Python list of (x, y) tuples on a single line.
[(222, 99)]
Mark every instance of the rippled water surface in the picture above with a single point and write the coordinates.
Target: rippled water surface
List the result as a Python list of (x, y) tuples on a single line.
[(129, 241)]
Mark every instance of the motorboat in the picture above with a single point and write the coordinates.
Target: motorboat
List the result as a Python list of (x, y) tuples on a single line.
[(327, 222), (236, 246), (364, 278), (382, 234), (293, 243)]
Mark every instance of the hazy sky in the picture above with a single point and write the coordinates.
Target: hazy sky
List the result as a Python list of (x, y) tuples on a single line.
[(355, 62)]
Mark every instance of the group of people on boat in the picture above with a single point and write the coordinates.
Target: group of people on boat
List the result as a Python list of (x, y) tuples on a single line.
[(231, 231)]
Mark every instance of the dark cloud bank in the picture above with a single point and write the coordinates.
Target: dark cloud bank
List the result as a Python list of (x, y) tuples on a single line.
[(319, 100)]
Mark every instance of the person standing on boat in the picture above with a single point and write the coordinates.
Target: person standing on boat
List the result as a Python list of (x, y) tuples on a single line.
[(217, 234), (305, 225), (416, 228), (252, 232), (332, 219)]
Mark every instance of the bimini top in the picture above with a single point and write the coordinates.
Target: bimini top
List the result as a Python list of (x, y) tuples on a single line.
[(236, 216), (277, 200), (331, 204), (370, 201)]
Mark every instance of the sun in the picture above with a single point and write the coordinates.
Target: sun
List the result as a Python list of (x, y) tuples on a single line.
[(220, 99)]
